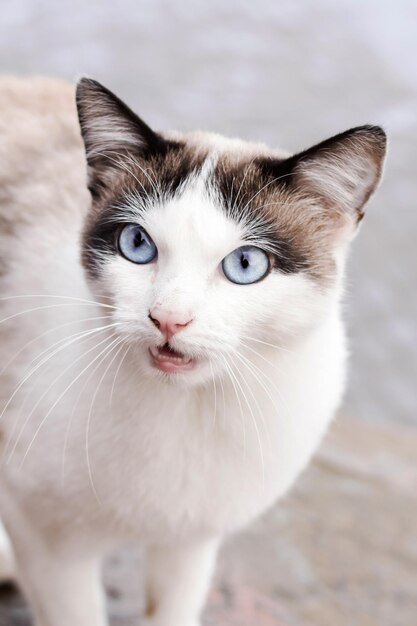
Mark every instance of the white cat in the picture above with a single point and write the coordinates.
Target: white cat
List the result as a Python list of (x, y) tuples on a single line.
[(171, 355)]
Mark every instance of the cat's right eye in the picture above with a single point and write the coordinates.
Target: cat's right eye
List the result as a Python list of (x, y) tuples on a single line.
[(246, 265), (136, 245)]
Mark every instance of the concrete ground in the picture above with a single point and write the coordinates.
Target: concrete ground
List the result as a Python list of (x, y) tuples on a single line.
[(340, 551)]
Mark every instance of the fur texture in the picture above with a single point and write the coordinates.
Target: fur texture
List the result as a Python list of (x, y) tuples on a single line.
[(98, 447)]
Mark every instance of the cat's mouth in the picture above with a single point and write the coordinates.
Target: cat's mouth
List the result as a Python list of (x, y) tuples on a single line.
[(167, 359)]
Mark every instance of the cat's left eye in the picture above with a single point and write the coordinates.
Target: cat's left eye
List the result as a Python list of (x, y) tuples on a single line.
[(136, 245), (246, 265)]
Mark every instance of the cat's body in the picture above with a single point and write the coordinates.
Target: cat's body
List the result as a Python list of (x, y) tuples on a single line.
[(98, 448)]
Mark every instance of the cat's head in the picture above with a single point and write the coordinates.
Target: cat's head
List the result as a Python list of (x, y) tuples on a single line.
[(211, 248)]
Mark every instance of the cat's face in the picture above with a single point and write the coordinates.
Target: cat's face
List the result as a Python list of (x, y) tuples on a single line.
[(208, 248)]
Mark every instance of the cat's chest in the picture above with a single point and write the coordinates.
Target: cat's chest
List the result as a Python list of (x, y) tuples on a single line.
[(171, 473), (143, 463)]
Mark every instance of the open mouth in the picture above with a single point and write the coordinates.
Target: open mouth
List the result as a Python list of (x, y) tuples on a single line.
[(167, 359)]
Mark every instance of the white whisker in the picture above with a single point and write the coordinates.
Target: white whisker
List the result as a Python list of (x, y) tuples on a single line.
[(44, 334), (72, 298), (254, 397), (260, 370), (117, 373), (215, 394), (60, 398), (255, 425), (39, 400), (109, 349), (40, 308), (68, 429), (274, 180), (229, 370), (271, 345), (73, 338), (275, 366), (100, 330), (233, 208)]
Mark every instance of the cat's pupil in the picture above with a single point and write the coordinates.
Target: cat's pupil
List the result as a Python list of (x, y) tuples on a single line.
[(138, 239), (244, 261)]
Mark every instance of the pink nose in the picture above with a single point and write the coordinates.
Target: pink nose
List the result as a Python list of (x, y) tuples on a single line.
[(168, 323)]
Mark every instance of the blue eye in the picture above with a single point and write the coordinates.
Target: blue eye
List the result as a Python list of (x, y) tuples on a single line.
[(136, 245), (246, 265)]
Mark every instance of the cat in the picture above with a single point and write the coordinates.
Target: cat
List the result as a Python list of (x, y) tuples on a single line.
[(172, 350)]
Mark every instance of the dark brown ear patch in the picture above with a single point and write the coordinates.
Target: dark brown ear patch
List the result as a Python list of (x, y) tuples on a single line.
[(299, 206)]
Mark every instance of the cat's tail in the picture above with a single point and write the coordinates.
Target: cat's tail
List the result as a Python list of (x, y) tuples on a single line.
[(7, 562)]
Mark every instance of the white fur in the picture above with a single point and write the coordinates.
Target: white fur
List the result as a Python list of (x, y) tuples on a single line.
[(97, 448), (176, 464)]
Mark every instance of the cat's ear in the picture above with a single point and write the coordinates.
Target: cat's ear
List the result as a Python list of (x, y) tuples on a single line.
[(342, 171), (111, 131)]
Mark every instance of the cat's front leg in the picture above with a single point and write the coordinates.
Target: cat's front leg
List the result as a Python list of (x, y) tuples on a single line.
[(178, 579), (62, 590), (62, 593)]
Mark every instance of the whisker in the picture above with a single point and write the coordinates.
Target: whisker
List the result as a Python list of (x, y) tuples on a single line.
[(268, 380), (271, 345), (256, 372), (153, 182), (87, 381), (60, 398), (255, 425), (223, 398), (274, 180), (116, 344), (73, 338), (254, 398), (39, 308), (228, 369), (68, 429), (123, 166), (39, 400), (215, 394), (73, 298), (47, 332), (261, 356), (62, 343), (117, 373), (233, 208)]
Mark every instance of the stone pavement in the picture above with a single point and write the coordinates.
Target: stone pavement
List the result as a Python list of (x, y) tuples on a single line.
[(341, 550)]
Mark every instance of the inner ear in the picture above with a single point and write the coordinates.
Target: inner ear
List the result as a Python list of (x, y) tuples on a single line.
[(111, 132), (337, 176), (343, 171), (109, 125)]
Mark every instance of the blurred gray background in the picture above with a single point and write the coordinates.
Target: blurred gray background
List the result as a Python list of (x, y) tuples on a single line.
[(285, 72)]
